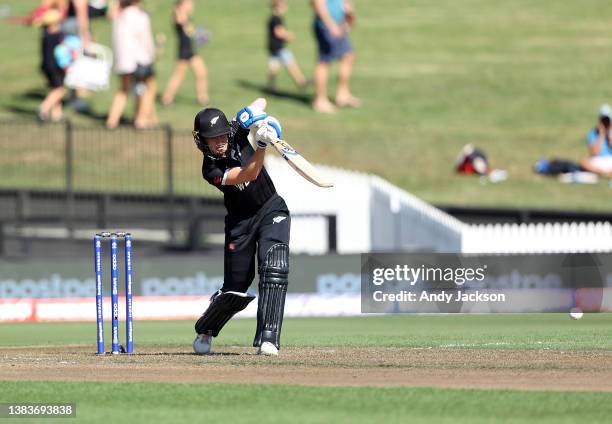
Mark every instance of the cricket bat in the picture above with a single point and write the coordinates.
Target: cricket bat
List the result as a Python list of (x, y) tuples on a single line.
[(300, 164), (293, 158)]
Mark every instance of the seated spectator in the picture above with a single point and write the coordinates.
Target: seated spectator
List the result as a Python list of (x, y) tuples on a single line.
[(600, 159), (473, 161)]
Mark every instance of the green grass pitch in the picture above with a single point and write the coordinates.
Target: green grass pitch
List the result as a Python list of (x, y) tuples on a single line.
[(516, 331), (169, 402), (158, 402)]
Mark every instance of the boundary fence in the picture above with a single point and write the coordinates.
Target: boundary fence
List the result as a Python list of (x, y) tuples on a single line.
[(79, 158)]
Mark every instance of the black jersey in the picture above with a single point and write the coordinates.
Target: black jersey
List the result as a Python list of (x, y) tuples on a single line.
[(274, 43), (242, 200)]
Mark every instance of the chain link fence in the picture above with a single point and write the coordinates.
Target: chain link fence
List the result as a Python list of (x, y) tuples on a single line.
[(93, 159)]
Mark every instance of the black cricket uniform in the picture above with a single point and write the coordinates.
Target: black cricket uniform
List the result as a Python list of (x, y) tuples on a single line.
[(275, 44), (257, 217)]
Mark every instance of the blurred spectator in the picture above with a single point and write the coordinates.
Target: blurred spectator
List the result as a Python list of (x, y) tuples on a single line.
[(333, 20), (278, 35), (473, 161), (45, 10), (183, 10), (49, 15), (77, 23), (134, 56), (600, 159)]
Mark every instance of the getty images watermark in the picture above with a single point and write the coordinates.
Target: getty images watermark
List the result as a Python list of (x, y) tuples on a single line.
[(455, 283), (426, 275)]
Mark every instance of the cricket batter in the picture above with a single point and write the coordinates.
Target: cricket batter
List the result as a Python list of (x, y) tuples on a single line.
[(256, 225)]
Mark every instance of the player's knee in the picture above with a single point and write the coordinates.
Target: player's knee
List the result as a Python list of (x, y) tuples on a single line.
[(275, 267)]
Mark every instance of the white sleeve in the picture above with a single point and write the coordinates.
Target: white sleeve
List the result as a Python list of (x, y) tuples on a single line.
[(224, 177)]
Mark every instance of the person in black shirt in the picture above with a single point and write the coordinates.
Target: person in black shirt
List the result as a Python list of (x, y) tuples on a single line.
[(256, 225), (278, 36), (183, 9), (51, 106)]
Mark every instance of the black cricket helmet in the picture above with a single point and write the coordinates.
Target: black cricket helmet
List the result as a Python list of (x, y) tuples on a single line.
[(210, 122)]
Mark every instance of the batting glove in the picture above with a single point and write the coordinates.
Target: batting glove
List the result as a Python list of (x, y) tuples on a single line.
[(269, 131), (247, 116)]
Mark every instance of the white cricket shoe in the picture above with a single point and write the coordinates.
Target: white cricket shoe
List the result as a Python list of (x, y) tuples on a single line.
[(202, 344), (267, 349)]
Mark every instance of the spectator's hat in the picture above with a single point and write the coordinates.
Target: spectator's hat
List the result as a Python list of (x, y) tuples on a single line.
[(605, 111)]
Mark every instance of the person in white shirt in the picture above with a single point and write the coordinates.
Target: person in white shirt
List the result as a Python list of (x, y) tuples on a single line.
[(134, 52)]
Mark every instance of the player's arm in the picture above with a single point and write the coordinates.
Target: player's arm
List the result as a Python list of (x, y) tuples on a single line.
[(267, 130), (250, 172), (234, 176)]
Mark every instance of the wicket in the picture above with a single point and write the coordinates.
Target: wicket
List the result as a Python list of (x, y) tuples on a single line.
[(114, 249)]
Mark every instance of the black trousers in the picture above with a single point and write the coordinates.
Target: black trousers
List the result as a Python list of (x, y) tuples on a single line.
[(250, 237)]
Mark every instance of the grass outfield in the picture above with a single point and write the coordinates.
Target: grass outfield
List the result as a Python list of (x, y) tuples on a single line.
[(156, 402), (521, 79), (512, 331), (110, 401)]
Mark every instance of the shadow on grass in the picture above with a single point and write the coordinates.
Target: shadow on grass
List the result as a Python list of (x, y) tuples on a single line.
[(32, 94), (38, 95), (305, 99), (100, 117), (180, 99), (32, 113), (19, 110)]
